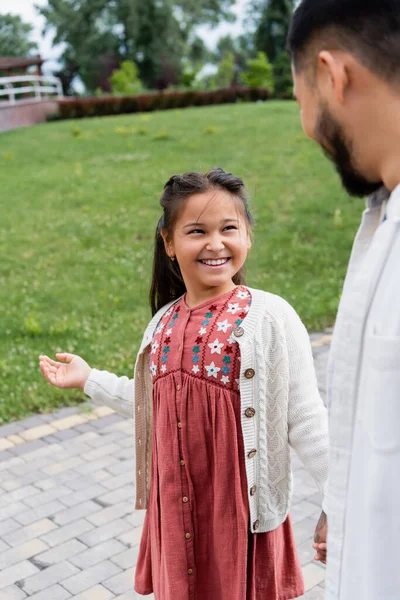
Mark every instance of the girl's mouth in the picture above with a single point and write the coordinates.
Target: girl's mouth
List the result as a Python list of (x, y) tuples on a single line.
[(215, 262)]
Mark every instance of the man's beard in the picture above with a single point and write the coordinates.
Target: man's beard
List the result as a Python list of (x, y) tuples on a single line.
[(338, 149)]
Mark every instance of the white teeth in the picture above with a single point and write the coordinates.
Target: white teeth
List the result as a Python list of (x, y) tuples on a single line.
[(215, 263)]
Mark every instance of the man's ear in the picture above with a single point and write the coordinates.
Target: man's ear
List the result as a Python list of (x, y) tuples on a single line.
[(333, 75), (168, 245)]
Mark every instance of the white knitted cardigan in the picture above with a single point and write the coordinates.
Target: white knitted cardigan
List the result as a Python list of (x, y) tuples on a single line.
[(285, 407)]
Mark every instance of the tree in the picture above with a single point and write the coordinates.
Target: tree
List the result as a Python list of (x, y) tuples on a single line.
[(259, 73), (272, 20), (14, 36), (241, 47), (283, 80), (125, 80), (226, 70), (155, 34)]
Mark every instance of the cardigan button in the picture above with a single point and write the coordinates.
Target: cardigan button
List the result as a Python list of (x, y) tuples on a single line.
[(250, 412), (252, 453), (253, 490), (238, 331), (256, 524), (249, 373), (190, 571), (185, 499)]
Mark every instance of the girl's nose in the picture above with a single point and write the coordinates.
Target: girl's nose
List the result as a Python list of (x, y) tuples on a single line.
[(215, 244)]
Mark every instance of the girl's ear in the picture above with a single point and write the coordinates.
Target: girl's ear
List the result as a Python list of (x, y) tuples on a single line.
[(169, 247), (249, 244)]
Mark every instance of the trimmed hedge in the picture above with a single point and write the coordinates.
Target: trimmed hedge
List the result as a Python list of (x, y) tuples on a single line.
[(77, 108)]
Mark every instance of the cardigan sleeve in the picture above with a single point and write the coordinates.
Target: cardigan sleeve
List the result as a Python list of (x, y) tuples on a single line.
[(307, 415), (110, 390)]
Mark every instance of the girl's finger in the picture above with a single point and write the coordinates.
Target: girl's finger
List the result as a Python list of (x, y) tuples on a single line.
[(65, 356)]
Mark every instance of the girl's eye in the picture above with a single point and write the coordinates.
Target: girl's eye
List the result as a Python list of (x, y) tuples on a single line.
[(230, 227), (196, 231)]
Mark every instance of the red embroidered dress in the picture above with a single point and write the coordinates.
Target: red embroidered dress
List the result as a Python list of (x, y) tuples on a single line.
[(196, 543)]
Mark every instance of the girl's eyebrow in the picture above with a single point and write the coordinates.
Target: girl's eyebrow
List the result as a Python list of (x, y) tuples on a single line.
[(202, 224)]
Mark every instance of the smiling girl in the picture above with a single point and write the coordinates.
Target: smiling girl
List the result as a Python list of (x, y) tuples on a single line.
[(224, 384)]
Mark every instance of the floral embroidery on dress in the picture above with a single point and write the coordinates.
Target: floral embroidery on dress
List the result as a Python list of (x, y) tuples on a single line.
[(213, 352)]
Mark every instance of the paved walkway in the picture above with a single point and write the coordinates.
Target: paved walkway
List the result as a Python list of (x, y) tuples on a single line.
[(67, 525)]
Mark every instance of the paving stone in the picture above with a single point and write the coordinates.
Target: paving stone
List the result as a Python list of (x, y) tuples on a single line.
[(131, 537), (30, 532), (104, 439), (303, 530), (119, 481), (11, 429), (7, 526), (110, 513), (12, 593), (82, 482), (120, 583), (27, 447), (96, 453), (65, 465), (49, 577), (16, 572), (61, 436), (74, 498), (51, 450), (26, 468), (313, 575), (21, 493), (55, 592), (106, 421), (37, 432), (7, 465), (116, 496), (10, 510), (123, 466), (98, 592), (106, 532), (41, 498), (66, 412), (86, 509), (98, 553), (316, 593), (68, 532), (97, 465), (91, 577), (66, 551), (22, 552), (125, 560), (35, 514), (5, 444)]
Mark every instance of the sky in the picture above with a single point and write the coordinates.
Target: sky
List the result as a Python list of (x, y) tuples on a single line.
[(26, 9)]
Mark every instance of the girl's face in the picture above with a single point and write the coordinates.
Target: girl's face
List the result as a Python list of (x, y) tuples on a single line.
[(210, 242)]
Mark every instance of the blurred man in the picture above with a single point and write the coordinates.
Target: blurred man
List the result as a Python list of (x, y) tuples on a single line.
[(346, 66)]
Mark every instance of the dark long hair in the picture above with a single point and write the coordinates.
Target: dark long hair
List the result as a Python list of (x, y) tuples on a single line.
[(167, 282)]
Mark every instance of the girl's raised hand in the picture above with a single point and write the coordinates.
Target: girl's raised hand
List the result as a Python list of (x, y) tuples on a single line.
[(71, 373)]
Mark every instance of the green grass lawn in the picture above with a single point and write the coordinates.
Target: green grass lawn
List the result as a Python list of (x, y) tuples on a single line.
[(79, 205)]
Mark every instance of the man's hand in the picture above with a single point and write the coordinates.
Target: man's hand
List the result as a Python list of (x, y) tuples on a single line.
[(321, 532)]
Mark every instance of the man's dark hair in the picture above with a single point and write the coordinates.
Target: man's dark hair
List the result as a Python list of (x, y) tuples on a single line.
[(369, 29)]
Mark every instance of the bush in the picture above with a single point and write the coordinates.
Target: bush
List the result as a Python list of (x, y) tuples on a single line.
[(78, 108), (125, 80), (259, 73)]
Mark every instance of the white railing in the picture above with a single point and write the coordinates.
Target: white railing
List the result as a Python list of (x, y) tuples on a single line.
[(38, 87)]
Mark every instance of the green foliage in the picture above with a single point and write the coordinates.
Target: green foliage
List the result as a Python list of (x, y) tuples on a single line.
[(157, 35), (14, 36), (78, 258), (272, 20), (125, 80), (282, 72), (226, 71), (259, 73)]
